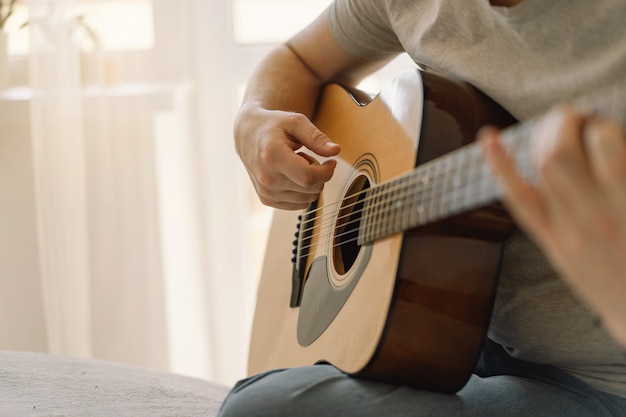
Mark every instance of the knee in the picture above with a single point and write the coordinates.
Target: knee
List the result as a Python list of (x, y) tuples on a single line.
[(252, 397), (282, 392)]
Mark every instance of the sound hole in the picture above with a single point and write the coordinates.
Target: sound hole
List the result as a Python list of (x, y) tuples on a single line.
[(345, 245)]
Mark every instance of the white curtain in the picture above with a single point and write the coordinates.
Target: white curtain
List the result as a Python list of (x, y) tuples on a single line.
[(58, 144), (128, 228), (138, 244)]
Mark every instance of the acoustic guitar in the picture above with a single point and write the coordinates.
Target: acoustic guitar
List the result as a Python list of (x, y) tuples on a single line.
[(391, 274)]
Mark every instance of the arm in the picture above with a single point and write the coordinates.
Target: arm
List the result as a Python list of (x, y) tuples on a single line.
[(274, 120), (577, 212)]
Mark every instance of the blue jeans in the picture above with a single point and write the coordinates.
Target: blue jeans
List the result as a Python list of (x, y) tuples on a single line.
[(501, 386)]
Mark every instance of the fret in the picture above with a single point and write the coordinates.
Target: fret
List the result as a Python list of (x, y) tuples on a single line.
[(457, 182), (368, 212), (380, 215), (367, 225), (387, 218), (395, 206), (443, 189), (404, 198), (430, 191), (478, 164), (409, 201), (458, 171), (454, 168), (377, 212), (472, 174), (417, 203), (424, 187), (421, 205)]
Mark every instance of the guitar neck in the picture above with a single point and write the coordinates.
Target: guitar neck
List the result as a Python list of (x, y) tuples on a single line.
[(461, 181)]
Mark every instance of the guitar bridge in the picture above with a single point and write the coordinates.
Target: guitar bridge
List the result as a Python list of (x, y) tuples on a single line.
[(301, 249)]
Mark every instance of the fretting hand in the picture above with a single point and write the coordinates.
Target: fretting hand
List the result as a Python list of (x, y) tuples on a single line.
[(577, 212)]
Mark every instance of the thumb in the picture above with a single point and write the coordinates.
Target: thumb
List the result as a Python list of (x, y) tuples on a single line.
[(304, 132)]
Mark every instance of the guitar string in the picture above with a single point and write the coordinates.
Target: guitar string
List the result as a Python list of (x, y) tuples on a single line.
[(483, 178), (445, 196), (449, 197), (612, 107), (426, 176), (329, 231), (403, 183), (419, 177), (407, 188)]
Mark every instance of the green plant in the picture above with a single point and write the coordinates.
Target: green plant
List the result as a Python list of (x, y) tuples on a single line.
[(6, 10)]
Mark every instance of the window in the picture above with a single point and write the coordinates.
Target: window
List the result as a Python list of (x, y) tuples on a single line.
[(272, 21), (126, 25), (115, 25)]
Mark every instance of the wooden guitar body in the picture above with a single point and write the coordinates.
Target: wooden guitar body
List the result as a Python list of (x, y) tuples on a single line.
[(410, 307)]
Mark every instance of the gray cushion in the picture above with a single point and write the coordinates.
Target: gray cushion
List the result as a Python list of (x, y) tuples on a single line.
[(38, 384)]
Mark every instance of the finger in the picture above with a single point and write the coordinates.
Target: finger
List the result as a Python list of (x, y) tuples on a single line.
[(309, 158), (304, 132), (289, 206), (281, 190), (559, 154), (278, 187), (606, 149), (306, 173), (324, 171), (283, 169), (523, 201), (284, 205), (289, 200)]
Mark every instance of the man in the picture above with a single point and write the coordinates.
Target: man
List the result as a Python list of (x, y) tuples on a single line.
[(548, 354)]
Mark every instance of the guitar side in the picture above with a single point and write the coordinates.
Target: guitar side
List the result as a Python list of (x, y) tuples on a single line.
[(417, 303)]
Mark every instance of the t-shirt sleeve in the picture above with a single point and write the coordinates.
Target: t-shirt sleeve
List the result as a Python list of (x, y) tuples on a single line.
[(363, 28)]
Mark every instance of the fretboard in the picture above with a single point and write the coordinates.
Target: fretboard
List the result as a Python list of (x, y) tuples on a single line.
[(461, 180)]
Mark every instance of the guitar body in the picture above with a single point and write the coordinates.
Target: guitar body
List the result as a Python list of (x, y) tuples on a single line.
[(413, 307)]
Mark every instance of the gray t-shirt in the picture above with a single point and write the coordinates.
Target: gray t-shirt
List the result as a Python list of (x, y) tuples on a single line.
[(527, 58)]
